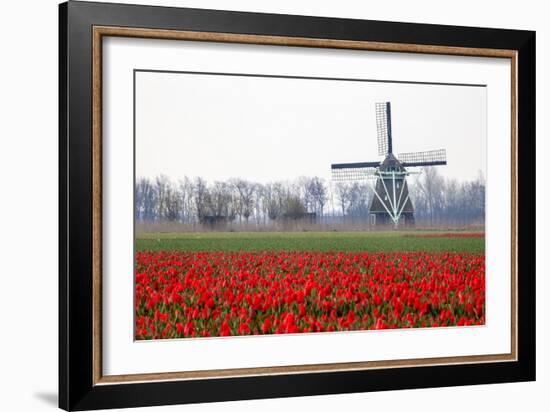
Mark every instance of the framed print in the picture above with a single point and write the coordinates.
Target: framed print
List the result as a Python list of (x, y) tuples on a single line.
[(256, 205)]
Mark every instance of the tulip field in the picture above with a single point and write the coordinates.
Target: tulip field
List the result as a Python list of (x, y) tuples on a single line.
[(227, 284)]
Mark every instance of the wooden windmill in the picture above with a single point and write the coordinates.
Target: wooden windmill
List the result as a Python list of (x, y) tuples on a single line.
[(391, 202)]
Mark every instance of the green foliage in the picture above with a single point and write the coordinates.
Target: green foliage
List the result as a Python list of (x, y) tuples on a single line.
[(307, 241)]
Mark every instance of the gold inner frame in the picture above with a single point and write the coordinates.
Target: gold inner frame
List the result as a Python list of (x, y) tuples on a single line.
[(100, 31)]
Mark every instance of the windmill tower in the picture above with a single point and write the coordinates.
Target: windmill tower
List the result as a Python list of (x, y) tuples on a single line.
[(391, 202)]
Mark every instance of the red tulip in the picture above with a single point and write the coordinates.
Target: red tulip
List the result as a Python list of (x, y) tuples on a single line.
[(191, 294)]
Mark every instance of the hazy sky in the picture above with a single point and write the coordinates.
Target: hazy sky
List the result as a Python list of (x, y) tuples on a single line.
[(267, 129)]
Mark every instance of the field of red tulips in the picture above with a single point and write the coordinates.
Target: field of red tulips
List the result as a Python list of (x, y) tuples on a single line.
[(195, 294)]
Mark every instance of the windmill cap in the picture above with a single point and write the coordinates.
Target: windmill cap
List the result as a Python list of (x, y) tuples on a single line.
[(391, 161)]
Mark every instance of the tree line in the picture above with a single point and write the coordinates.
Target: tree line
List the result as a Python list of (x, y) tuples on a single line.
[(437, 201)]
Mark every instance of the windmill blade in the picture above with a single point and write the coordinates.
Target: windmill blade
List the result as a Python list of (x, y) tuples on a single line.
[(428, 158), (345, 172), (355, 165), (383, 128)]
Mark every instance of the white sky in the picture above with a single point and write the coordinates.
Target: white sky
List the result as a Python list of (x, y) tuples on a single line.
[(268, 129)]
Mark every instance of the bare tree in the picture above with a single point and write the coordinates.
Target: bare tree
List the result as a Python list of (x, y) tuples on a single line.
[(258, 203), (359, 199), (144, 200), (431, 185), (172, 203), (245, 191), (186, 195), (343, 194), (162, 192), (316, 195), (201, 197), (272, 200)]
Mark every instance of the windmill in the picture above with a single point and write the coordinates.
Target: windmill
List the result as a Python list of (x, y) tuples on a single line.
[(391, 202)]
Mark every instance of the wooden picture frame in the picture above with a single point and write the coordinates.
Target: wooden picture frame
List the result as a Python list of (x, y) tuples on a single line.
[(82, 28)]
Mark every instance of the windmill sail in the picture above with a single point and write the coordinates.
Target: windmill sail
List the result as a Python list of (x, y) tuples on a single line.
[(428, 158), (342, 172), (383, 128)]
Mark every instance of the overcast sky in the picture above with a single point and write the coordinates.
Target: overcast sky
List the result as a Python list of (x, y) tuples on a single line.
[(268, 129)]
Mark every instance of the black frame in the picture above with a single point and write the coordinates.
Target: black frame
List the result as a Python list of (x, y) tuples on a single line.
[(76, 389)]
